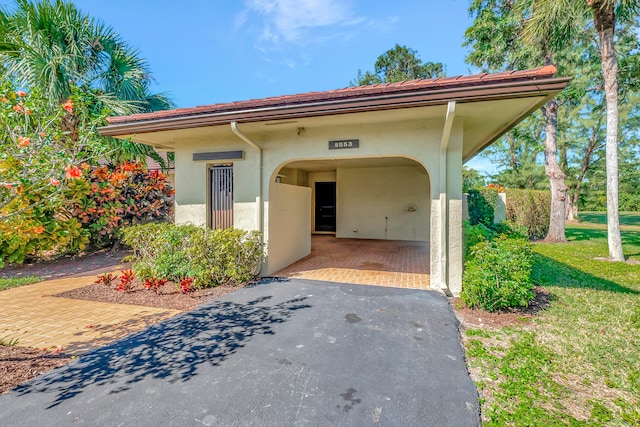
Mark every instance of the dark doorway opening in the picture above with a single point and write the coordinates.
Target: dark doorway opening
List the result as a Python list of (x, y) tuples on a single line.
[(325, 211)]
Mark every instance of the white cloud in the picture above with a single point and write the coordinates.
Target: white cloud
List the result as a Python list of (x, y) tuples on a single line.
[(288, 20)]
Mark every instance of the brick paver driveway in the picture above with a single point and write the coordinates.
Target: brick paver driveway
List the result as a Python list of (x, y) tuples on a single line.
[(37, 319)]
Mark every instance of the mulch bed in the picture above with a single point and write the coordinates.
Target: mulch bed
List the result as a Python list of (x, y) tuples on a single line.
[(169, 296), (20, 364), (470, 317)]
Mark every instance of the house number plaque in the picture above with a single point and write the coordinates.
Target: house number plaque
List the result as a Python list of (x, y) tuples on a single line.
[(344, 143)]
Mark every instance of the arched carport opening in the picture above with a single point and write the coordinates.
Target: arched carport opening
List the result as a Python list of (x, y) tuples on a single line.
[(358, 220)]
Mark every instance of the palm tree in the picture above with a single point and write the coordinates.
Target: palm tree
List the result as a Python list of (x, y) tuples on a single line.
[(54, 46), (604, 14)]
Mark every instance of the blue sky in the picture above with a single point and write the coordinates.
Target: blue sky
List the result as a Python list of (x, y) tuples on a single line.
[(206, 52)]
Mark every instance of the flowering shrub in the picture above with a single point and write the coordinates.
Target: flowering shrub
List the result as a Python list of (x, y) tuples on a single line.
[(154, 284), (185, 285), (106, 279), (126, 281), (39, 157), (115, 196)]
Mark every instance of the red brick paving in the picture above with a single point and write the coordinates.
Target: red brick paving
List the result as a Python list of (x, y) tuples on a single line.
[(392, 263)]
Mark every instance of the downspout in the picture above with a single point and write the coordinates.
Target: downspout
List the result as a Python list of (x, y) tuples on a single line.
[(444, 232), (259, 206)]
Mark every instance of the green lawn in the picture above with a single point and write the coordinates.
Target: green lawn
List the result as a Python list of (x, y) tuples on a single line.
[(578, 362), (18, 281)]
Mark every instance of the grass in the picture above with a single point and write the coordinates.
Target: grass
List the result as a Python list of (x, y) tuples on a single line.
[(578, 363), (17, 281)]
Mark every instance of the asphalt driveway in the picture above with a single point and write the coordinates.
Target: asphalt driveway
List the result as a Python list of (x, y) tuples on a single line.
[(282, 353)]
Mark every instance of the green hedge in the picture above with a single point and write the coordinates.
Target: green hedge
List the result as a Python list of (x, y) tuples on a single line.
[(530, 208), (211, 257), (498, 265)]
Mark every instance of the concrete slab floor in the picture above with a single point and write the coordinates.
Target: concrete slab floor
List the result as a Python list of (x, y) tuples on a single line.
[(393, 263)]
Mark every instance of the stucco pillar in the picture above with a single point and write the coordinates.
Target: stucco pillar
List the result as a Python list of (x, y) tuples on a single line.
[(455, 259)]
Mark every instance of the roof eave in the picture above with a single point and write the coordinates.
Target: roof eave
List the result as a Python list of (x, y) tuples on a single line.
[(548, 87)]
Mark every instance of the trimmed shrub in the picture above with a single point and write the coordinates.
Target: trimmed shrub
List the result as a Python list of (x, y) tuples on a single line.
[(211, 257), (530, 208), (481, 210), (497, 274)]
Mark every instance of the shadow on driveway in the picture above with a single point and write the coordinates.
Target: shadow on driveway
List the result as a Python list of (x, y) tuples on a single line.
[(172, 350), (281, 353)]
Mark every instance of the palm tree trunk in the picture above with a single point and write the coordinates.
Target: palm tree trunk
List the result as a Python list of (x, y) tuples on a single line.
[(604, 20), (556, 232)]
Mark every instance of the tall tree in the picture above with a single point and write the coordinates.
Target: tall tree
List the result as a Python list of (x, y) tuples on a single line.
[(604, 14), (53, 46), (496, 38), (399, 64)]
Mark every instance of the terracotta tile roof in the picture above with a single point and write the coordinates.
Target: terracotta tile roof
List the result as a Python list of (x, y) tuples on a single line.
[(346, 93)]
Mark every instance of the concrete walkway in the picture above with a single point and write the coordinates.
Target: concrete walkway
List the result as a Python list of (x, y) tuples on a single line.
[(393, 263), (39, 320), (286, 353)]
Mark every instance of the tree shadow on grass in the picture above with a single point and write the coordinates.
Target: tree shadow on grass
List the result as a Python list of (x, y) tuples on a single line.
[(550, 272), (172, 350), (580, 234)]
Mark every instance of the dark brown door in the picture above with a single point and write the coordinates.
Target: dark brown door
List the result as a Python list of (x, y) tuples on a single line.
[(325, 206)]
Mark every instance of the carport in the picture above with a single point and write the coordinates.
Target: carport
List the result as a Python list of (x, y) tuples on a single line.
[(390, 155), (392, 263)]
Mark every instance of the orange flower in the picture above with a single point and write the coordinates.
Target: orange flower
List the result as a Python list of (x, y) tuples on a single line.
[(4, 100), (21, 93), (38, 230), (18, 108), (54, 181), (84, 166), (42, 134), (68, 106), (73, 172), (23, 141), (28, 112)]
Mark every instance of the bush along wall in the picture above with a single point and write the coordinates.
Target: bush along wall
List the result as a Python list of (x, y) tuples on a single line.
[(530, 208), (498, 265), (172, 252)]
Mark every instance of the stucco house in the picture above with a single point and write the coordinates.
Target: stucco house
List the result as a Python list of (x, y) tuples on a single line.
[(372, 162)]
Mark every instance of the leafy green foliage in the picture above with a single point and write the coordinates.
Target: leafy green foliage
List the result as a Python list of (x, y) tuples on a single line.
[(497, 274), (585, 344), (210, 257), (471, 179), (6, 283), (481, 211), (529, 208), (399, 64)]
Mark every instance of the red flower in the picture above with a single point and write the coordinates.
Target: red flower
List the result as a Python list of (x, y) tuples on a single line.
[(68, 106), (54, 182), (21, 93), (38, 230), (73, 172), (18, 108), (8, 186), (23, 141), (28, 112)]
